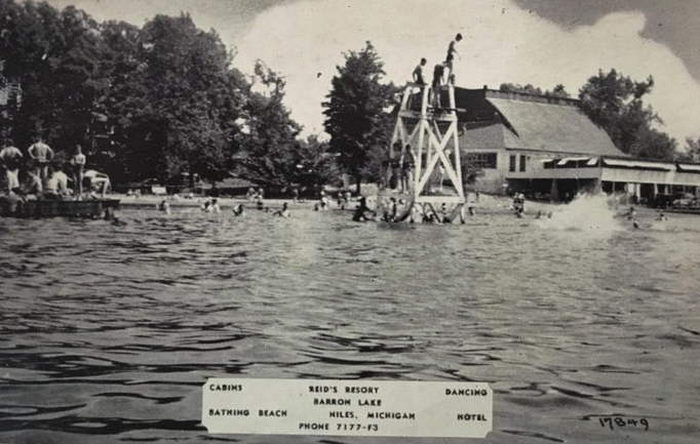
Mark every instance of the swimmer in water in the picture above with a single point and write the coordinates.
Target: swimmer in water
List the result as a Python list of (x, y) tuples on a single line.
[(283, 212), (238, 210), (118, 222), (661, 217), (211, 206), (362, 210), (390, 216), (164, 206)]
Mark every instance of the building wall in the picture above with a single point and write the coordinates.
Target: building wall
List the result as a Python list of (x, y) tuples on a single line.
[(484, 128), (495, 180)]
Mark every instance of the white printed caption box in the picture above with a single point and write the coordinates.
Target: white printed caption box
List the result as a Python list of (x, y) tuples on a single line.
[(347, 408)]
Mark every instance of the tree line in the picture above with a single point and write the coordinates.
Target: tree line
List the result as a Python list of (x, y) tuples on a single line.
[(159, 101), (166, 101)]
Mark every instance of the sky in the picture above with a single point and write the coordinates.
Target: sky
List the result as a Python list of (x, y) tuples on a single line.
[(542, 42)]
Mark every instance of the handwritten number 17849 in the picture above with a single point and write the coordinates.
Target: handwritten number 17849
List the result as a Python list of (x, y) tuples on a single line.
[(619, 422)]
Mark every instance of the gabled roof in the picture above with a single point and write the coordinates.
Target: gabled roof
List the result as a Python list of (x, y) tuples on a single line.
[(551, 127)]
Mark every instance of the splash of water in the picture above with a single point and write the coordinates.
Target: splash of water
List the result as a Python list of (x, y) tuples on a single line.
[(587, 212)]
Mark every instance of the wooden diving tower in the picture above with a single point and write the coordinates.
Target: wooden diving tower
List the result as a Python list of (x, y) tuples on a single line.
[(425, 142)]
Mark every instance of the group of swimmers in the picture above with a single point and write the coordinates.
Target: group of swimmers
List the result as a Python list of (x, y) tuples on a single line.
[(399, 210), (282, 212), (211, 205), (43, 176), (631, 215)]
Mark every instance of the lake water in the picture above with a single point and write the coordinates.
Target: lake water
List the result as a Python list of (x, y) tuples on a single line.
[(108, 332)]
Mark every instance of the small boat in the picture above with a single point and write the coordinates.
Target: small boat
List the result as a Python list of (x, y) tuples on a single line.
[(45, 208)]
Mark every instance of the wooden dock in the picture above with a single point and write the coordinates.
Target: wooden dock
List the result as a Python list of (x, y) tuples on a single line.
[(36, 209)]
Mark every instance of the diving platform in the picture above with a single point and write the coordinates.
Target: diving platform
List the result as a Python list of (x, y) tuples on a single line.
[(425, 148)]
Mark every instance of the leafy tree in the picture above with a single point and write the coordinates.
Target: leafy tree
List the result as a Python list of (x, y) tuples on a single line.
[(375, 166), (691, 152), (173, 100), (185, 75), (653, 144), (355, 111), (558, 91), (55, 56), (614, 102), (268, 141), (516, 87), (315, 165), (123, 103)]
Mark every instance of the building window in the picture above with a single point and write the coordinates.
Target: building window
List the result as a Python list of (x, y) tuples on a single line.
[(482, 160), (513, 161), (522, 162)]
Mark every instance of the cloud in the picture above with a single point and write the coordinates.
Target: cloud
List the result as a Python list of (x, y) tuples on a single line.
[(503, 43)]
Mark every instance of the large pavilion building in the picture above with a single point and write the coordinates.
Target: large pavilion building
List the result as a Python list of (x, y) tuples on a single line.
[(547, 147)]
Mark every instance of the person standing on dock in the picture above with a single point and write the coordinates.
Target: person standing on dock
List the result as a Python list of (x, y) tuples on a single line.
[(41, 154), (78, 163), (10, 158)]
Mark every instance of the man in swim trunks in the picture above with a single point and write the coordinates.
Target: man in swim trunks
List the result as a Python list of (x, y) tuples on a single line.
[(10, 158), (78, 162), (438, 74), (451, 52), (418, 72), (57, 185), (41, 154)]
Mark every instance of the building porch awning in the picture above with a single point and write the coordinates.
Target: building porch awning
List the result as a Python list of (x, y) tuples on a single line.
[(690, 168), (638, 164)]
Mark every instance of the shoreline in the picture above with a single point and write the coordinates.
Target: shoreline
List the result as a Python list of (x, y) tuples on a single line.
[(487, 203)]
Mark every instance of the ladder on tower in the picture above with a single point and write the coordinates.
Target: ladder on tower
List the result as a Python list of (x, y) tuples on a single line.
[(425, 142)]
